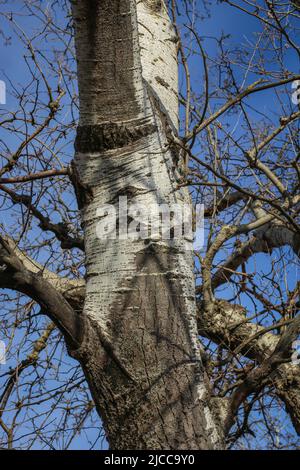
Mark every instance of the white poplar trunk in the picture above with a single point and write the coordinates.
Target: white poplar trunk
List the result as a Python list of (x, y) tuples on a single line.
[(141, 351)]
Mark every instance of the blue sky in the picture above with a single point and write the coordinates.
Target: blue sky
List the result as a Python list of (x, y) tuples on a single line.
[(15, 74)]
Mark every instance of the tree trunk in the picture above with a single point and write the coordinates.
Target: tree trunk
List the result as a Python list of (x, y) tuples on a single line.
[(140, 352)]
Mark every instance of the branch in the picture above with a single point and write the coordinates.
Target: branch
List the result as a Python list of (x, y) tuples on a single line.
[(228, 326), (280, 208), (226, 201), (261, 376), (38, 346), (16, 274), (53, 108), (34, 176), (60, 230), (253, 88), (264, 240)]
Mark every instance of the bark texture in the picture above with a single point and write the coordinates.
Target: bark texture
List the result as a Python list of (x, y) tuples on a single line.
[(140, 351)]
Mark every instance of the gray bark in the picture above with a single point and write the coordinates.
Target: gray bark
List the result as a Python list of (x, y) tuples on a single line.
[(140, 351)]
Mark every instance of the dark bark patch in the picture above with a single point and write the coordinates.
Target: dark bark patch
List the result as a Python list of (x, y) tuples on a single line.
[(108, 136), (154, 5), (162, 82), (109, 79)]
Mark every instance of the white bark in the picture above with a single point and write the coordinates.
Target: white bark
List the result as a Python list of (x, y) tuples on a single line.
[(140, 295)]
